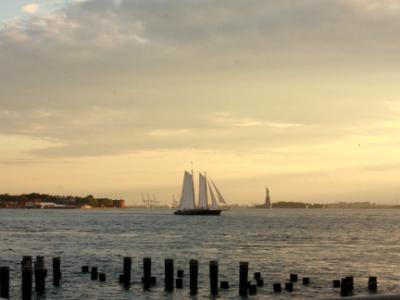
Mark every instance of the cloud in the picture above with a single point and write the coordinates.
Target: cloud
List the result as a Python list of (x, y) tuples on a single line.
[(378, 7), (31, 8), (118, 76), (227, 119)]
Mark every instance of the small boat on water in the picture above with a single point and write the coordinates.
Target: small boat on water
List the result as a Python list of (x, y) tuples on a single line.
[(188, 204)]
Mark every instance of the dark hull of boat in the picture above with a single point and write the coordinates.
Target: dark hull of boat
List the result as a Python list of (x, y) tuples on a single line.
[(198, 212)]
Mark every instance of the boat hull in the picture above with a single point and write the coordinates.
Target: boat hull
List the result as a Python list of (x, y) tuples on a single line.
[(198, 212)]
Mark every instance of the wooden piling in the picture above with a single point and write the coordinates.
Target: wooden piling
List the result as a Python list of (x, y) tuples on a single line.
[(26, 261), (350, 280), (127, 272), (243, 278), (252, 289), (40, 275), (224, 285), (179, 283), (5, 282), (277, 287), (169, 274), (56, 271), (346, 286), (85, 269), (260, 282), (213, 266), (373, 284), (27, 278), (146, 273), (179, 274), (94, 274), (194, 273), (336, 283), (26, 286), (289, 286)]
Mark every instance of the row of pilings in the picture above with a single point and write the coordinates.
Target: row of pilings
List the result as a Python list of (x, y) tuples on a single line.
[(36, 272)]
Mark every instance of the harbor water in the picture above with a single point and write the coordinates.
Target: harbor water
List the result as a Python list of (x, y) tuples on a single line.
[(321, 244)]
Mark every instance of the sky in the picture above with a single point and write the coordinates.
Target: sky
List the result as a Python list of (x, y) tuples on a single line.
[(117, 97)]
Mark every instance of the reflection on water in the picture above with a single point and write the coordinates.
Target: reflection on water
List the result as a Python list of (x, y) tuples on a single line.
[(321, 244)]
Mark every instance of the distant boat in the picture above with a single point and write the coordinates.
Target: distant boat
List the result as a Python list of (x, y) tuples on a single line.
[(187, 203)]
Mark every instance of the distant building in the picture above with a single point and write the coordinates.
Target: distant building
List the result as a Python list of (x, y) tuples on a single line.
[(31, 204), (119, 203)]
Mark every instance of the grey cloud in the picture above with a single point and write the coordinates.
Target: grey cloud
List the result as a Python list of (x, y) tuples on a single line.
[(99, 76)]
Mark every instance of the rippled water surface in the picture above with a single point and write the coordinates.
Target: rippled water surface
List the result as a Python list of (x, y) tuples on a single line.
[(321, 244)]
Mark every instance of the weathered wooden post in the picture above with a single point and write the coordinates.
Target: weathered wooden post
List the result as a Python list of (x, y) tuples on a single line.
[(127, 272), (213, 265), (346, 286), (252, 289), (260, 282), (94, 274), (373, 284), (277, 287), (224, 285), (56, 271), (350, 280), (243, 278), (289, 286), (85, 269), (336, 283), (194, 273), (146, 273), (5, 282), (40, 275), (26, 260), (179, 283), (27, 277), (169, 274)]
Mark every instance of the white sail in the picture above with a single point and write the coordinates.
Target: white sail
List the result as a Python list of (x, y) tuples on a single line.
[(220, 197), (214, 204), (187, 197), (202, 192)]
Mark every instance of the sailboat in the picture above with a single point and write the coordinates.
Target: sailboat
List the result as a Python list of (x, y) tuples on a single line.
[(188, 204)]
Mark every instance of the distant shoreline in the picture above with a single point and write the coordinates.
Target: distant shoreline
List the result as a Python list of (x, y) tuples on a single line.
[(46, 201)]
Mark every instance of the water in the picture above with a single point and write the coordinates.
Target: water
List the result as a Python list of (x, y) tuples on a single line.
[(321, 244)]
